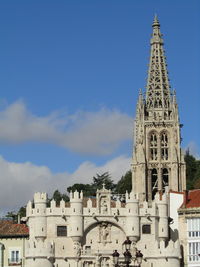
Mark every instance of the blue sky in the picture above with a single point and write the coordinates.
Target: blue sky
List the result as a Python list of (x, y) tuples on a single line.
[(70, 72)]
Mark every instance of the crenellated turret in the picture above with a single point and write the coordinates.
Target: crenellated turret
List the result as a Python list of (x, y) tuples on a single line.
[(163, 225), (39, 253), (132, 217), (166, 255), (40, 221), (76, 216)]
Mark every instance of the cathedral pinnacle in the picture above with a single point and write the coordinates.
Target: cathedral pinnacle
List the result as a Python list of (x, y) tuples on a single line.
[(158, 88), (158, 162), (156, 22)]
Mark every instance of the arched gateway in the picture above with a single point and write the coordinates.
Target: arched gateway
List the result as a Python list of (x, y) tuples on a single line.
[(85, 232)]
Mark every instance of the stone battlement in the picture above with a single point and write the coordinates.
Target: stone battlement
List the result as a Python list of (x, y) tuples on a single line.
[(131, 196), (40, 197), (74, 196), (160, 249)]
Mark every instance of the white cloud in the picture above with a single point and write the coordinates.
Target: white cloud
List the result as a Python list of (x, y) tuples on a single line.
[(19, 181), (99, 132), (116, 167)]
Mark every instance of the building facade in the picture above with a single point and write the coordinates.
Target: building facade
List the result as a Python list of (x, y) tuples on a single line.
[(12, 243), (189, 228), (86, 232)]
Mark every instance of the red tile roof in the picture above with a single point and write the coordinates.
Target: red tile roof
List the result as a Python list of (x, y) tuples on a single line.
[(191, 199), (10, 229)]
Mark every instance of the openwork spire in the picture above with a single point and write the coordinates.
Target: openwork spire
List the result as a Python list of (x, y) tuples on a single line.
[(158, 88)]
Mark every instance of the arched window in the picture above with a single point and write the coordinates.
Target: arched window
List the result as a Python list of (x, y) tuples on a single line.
[(164, 146), (165, 177), (154, 182), (153, 146)]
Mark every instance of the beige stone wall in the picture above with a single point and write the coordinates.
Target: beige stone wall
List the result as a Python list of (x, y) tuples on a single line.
[(185, 214), (104, 230), (183, 237), (12, 244)]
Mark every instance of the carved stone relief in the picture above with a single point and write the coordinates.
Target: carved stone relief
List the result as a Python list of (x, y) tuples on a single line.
[(105, 233), (104, 205), (77, 249)]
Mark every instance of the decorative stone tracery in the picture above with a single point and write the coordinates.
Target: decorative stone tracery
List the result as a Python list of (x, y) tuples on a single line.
[(157, 123)]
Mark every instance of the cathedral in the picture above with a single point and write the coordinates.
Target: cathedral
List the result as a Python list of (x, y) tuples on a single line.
[(105, 231)]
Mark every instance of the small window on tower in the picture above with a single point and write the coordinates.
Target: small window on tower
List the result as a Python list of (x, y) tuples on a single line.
[(154, 182), (146, 229), (61, 230), (165, 177), (87, 250), (164, 146), (153, 146)]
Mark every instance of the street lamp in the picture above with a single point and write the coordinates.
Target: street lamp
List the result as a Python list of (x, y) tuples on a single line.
[(115, 257), (139, 257), (127, 257), (127, 243)]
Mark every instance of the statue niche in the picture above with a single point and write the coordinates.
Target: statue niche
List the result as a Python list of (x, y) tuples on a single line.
[(104, 205), (103, 201), (104, 233)]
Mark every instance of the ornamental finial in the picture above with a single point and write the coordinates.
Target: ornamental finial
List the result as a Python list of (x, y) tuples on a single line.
[(156, 21)]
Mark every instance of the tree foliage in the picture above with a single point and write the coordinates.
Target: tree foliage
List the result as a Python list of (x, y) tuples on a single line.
[(57, 196), (192, 171), (125, 183), (15, 216), (97, 183), (103, 179), (86, 188)]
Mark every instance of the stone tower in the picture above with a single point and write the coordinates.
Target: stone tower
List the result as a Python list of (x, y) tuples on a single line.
[(158, 161)]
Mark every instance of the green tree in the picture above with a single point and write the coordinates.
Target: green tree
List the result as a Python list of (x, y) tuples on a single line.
[(16, 215), (101, 179), (87, 189), (191, 170), (22, 212), (57, 196), (125, 183), (197, 175), (12, 215)]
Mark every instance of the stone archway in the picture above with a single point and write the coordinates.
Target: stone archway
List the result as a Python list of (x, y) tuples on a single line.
[(100, 240)]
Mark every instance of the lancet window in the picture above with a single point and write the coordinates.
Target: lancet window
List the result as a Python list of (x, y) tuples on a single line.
[(153, 146), (164, 146), (165, 177), (154, 182)]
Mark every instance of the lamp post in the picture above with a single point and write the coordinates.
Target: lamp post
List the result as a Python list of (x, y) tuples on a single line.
[(115, 258), (127, 257), (127, 243), (138, 256)]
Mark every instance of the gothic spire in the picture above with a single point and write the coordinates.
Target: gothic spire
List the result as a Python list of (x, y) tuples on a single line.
[(158, 88)]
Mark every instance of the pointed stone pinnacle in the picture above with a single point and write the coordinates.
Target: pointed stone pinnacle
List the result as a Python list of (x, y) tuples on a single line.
[(155, 21)]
